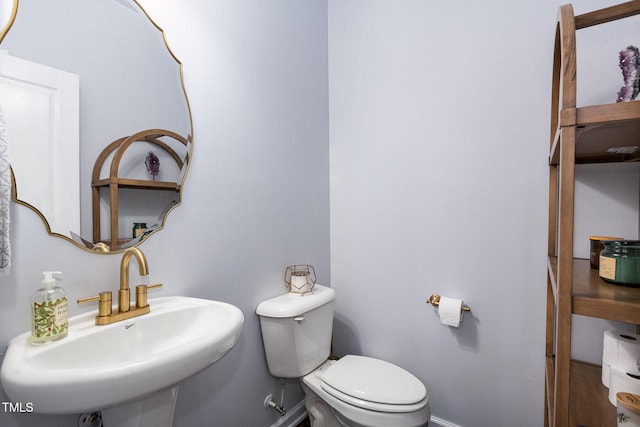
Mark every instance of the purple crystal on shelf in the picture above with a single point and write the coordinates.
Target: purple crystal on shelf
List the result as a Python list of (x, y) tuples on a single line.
[(153, 164), (630, 66)]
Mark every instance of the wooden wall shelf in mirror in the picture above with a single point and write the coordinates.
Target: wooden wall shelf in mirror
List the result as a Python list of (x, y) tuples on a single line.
[(120, 76), (168, 146)]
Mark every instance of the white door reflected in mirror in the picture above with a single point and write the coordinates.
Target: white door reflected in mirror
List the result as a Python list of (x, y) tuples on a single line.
[(41, 108)]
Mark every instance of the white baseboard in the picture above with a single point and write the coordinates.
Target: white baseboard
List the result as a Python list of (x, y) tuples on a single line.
[(435, 421), (293, 416)]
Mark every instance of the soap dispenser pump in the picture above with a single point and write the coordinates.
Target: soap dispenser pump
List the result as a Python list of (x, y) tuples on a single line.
[(49, 318)]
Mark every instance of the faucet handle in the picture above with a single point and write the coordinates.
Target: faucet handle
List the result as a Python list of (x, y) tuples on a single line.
[(141, 294), (104, 302)]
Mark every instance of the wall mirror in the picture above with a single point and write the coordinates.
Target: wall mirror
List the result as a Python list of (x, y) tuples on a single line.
[(97, 118)]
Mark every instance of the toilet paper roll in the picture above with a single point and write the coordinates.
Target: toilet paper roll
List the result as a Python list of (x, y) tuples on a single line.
[(621, 350), (450, 310), (621, 381)]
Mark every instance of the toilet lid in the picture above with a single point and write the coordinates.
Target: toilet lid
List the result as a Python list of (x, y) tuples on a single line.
[(373, 380)]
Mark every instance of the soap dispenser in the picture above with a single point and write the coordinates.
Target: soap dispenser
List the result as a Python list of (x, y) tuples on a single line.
[(49, 319)]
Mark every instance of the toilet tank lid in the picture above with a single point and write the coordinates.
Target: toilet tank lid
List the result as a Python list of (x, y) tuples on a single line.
[(291, 305)]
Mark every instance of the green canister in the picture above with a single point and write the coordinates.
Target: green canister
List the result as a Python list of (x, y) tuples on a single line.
[(620, 262), (139, 228)]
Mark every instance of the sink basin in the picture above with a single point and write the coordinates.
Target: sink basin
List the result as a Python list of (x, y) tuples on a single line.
[(97, 367)]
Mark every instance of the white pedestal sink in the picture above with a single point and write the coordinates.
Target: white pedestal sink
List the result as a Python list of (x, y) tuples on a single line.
[(130, 369)]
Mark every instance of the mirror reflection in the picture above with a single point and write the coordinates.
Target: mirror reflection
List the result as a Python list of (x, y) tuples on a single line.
[(78, 77)]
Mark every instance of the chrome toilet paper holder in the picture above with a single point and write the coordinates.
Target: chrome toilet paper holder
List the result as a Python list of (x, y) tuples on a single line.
[(434, 300)]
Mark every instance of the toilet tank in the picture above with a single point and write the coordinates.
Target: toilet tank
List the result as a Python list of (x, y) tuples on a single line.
[(296, 331)]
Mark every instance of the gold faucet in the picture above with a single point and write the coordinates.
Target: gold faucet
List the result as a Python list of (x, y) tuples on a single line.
[(105, 311), (124, 293)]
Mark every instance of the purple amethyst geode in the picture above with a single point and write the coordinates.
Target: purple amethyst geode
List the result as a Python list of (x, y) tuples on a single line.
[(153, 164), (629, 64)]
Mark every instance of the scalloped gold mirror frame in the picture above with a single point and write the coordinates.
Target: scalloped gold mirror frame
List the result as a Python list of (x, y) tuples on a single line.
[(100, 246), (10, 18)]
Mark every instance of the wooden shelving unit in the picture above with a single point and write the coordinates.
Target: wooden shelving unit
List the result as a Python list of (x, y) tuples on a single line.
[(574, 393), (114, 183)]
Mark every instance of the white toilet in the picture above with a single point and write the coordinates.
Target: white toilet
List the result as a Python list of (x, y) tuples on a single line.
[(354, 391)]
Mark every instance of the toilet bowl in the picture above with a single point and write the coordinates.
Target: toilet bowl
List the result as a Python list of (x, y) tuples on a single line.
[(354, 391), (367, 392)]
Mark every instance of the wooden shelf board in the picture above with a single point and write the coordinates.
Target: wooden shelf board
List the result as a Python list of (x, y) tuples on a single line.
[(618, 112), (600, 128), (589, 400), (592, 296), (138, 184)]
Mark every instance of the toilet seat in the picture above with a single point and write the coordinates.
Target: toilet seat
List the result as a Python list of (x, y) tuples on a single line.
[(373, 384)]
